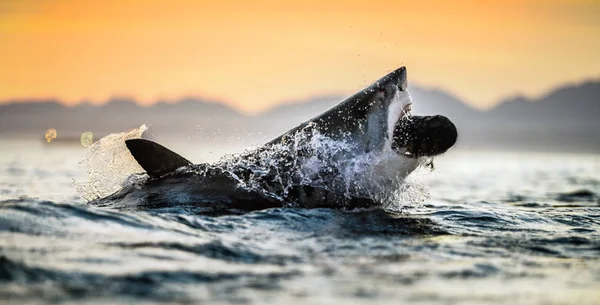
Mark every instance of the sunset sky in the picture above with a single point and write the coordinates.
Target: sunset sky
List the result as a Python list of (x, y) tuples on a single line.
[(254, 54)]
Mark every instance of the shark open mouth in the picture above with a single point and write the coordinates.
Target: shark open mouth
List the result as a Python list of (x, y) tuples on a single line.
[(419, 136), (406, 111)]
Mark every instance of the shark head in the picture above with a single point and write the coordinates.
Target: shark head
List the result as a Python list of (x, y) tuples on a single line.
[(367, 118)]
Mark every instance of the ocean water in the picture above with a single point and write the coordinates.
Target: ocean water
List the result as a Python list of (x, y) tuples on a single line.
[(484, 227)]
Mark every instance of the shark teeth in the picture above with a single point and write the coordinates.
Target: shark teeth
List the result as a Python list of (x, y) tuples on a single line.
[(406, 111)]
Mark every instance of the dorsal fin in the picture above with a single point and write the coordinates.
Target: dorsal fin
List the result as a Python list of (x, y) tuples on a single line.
[(154, 158)]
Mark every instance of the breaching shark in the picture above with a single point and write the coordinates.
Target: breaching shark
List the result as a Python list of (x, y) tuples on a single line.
[(343, 158)]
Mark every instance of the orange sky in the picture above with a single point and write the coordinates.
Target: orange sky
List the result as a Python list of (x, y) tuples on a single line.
[(253, 54)]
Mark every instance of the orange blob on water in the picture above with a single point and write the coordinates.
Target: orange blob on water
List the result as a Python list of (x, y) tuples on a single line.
[(50, 135)]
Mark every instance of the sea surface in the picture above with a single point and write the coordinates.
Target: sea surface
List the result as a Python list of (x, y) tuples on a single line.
[(483, 227)]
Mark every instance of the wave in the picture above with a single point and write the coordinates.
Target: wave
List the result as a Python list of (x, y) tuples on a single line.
[(582, 195), (65, 252)]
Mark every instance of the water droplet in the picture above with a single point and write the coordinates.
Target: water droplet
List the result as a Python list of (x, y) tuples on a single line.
[(87, 139), (50, 135)]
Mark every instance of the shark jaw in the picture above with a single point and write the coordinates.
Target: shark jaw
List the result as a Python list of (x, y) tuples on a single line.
[(400, 109)]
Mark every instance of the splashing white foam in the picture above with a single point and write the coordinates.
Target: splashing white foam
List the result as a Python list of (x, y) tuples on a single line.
[(108, 165), (307, 158), (312, 159), (408, 192)]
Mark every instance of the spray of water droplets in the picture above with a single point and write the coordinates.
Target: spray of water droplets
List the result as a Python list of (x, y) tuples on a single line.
[(108, 165), (306, 158)]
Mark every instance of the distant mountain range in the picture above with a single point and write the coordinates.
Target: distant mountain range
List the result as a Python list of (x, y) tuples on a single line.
[(565, 119)]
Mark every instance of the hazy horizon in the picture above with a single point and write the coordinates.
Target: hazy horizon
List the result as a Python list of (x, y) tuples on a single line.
[(565, 118), (292, 101)]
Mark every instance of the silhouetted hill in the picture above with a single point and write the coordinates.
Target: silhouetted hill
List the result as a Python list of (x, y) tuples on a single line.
[(187, 116), (576, 106), (566, 118), (433, 101)]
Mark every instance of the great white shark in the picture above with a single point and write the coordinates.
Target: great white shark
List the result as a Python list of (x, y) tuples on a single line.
[(341, 158)]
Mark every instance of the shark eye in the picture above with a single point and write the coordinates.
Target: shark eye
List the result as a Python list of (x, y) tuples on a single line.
[(383, 91)]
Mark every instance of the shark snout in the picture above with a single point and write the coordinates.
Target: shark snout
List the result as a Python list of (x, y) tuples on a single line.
[(396, 78)]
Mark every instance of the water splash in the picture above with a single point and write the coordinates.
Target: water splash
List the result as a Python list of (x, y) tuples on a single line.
[(109, 165), (306, 158), (310, 159), (306, 168)]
